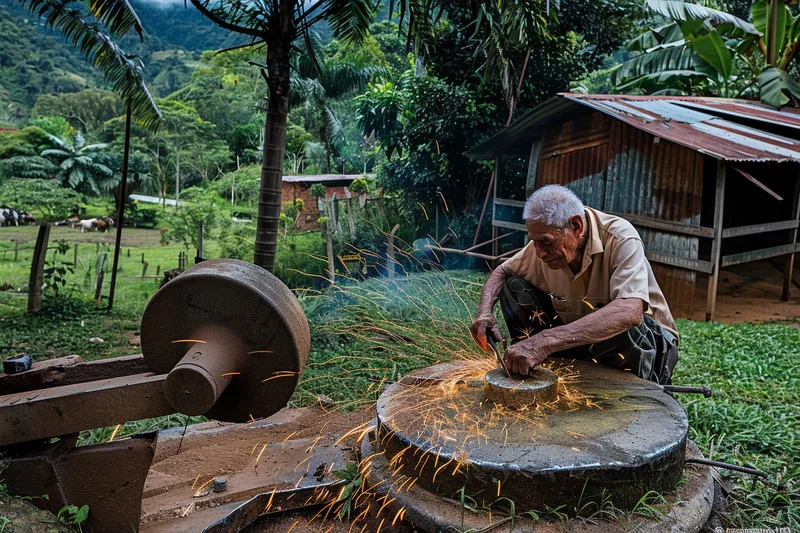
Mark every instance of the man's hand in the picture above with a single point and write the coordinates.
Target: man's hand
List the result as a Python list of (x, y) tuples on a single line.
[(523, 356), (485, 325)]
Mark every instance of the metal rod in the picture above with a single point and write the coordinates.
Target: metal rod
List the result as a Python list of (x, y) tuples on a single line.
[(705, 391), (123, 196), (718, 464)]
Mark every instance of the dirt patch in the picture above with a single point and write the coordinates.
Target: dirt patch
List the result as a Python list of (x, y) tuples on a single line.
[(749, 293)]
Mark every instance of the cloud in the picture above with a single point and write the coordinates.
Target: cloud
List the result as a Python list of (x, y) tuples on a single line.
[(161, 3)]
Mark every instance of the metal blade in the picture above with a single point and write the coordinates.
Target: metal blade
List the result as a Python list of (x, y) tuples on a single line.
[(501, 363)]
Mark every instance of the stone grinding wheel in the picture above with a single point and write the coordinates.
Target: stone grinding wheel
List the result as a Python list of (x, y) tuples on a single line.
[(608, 430), (220, 329)]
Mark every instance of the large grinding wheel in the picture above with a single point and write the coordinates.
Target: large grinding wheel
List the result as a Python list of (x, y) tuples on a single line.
[(606, 432), (232, 337)]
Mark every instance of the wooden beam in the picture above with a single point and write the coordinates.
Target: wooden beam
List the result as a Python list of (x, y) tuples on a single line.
[(533, 167), (509, 203), (759, 228), (33, 415), (758, 184), (716, 242), (510, 225), (666, 225), (696, 265), (757, 255), (789, 266)]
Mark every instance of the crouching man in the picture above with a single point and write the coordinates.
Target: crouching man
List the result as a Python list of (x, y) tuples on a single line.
[(581, 289)]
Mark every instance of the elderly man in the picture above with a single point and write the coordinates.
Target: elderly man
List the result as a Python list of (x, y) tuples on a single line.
[(581, 289)]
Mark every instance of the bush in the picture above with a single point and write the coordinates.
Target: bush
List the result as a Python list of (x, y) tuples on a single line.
[(237, 240), (46, 196), (184, 221), (138, 215), (245, 181)]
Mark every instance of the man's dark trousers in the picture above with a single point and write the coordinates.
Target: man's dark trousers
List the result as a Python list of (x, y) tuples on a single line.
[(648, 350)]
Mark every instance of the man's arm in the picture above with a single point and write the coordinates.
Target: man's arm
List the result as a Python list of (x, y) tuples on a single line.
[(485, 322), (617, 317)]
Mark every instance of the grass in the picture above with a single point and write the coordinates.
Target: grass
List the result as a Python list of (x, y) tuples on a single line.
[(364, 334)]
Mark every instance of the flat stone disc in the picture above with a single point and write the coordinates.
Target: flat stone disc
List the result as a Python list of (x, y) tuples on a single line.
[(606, 430), (539, 386), (249, 303)]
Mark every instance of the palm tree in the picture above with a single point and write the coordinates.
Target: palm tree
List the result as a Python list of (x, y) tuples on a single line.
[(315, 84), (278, 24)]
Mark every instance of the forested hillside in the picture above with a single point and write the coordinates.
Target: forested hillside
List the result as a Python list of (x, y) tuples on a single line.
[(36, 61)]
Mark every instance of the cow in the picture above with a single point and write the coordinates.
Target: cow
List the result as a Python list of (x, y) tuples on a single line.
[(10, 216), (95, 224)]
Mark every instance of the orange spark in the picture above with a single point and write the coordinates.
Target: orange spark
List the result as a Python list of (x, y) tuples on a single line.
[(194, 341), (261, 452)]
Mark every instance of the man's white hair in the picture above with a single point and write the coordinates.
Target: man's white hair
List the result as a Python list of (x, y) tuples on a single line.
[(552, 205)]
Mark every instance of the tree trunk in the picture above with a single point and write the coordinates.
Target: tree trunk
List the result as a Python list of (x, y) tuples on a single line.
[(177, 176), (269, 195)]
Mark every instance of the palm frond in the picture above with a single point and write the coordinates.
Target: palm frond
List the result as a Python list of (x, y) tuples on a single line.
[(248, 17), (55, 152), (118, 16), (333, 126), (671, 56), (349, 19), (123, 72), (684, 11), (306, 88), (58, 143), (94, 147)]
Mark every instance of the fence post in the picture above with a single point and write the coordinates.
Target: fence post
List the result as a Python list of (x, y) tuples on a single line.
[(75, 256), (16, 248), (331, 265), (100, 267), (200, 247), (390, 253), (144, 269), (37, 269), (349, 208)]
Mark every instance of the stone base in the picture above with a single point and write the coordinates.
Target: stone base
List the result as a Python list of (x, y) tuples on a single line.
[(689, 508)]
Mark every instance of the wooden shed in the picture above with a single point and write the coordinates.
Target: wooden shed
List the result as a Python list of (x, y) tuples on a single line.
[(707, 182)]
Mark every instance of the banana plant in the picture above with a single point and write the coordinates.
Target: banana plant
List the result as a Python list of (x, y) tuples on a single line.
[(781, 31), (707, 51)]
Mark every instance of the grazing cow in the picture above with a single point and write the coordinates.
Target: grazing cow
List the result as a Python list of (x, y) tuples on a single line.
[(105, 223), (95, 224), (10, 216)]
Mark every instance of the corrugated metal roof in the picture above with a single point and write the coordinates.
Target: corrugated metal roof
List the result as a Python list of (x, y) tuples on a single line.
[(721, 128), (321, 178)]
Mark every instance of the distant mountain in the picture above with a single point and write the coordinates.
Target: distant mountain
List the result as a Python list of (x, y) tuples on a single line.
[(35, 60)]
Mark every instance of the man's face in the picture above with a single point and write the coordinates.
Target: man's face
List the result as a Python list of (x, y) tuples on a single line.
[(555, 246)]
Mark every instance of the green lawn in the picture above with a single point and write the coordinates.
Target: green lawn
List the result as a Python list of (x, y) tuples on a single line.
[(364, 333)]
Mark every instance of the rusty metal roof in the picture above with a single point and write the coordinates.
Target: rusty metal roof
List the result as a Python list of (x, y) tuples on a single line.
[(731, 130), (322, 178)]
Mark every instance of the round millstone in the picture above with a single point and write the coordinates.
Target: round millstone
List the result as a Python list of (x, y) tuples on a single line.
[(539, 386), (609, 435)]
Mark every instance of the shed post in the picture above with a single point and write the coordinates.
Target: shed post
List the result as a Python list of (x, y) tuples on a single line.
[(498, 175), (533, 168), (787, 270), (716, 241)]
